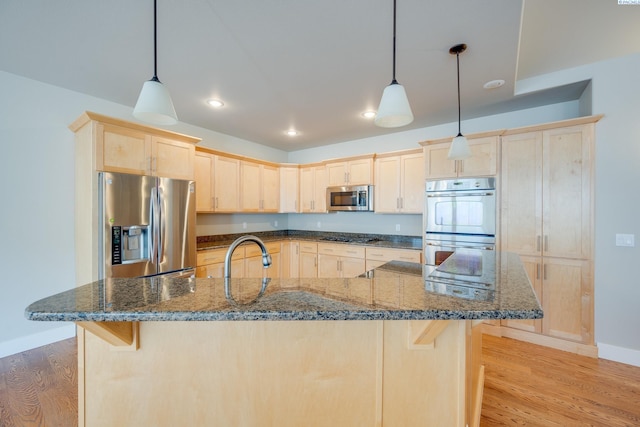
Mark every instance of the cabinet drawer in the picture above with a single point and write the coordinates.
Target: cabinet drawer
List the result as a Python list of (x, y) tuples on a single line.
[(387, 254), (213, 256), (309, 247), (352, 251), (254, 250)]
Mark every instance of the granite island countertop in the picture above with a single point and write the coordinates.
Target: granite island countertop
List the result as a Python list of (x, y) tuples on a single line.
[(394, 291)]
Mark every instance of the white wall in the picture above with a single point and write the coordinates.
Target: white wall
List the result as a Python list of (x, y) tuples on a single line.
[(37, 185)]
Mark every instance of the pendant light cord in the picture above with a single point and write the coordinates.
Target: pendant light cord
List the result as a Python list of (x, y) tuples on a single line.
[(458, 67), (155, 43), (394, 81)]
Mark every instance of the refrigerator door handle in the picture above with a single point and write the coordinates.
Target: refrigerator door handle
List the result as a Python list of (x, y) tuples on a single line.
[(160, 229), (153, 221)]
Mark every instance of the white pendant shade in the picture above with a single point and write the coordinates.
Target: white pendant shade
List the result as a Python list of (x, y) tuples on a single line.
[(459, 149), (394, 110), (154, 104)]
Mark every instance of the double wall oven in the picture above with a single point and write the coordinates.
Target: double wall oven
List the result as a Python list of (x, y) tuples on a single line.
[(460, 218)]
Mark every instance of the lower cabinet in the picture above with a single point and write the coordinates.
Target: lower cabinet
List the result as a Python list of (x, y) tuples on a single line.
[(375, 257), (564, 289), (338, 260), (246, 262), (308, 261)]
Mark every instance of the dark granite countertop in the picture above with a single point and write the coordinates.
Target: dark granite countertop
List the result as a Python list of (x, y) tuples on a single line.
[(378, 240), (394, 291)]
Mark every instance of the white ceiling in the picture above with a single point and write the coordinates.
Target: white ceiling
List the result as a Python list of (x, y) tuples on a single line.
[(311, 65)]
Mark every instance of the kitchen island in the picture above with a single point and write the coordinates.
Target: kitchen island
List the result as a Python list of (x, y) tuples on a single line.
[(388, 348)]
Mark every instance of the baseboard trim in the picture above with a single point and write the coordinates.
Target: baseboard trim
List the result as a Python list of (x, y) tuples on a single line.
[(18, 345), (619, 354)]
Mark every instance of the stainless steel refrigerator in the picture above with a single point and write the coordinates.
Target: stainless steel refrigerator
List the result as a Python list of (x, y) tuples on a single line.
[(147, 226)]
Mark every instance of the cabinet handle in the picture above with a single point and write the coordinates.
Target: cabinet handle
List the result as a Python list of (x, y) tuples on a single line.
[(537, 271), (546, 242), (216, 206), (544, 272), (315, 261), (401, 203), (538, 243), (461, 166)]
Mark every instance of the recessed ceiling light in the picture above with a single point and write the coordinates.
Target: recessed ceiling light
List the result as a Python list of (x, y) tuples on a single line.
[(292, 132), (493, 84), (215, 103), (368, 114)]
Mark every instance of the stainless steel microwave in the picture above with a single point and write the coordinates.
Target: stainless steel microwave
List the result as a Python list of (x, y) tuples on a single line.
[(350, 198)]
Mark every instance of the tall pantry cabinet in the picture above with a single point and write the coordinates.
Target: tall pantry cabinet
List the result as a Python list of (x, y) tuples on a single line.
[(546, 216)]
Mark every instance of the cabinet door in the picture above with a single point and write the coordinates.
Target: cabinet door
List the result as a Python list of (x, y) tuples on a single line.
[(204, 163), (360, 172), (289, 189), (351, 267), (387, 184), (567, 192), (437, 164), (172, 159), (307, 189), (254, 268), (320, 190), (412, 185), (484, 157), (533, 267), (119, 149), (328, 266), (227, 184), (336, 173), (250, 187), (567, 300), (308, 265), (521, 193), (270, 189), (290, 260)]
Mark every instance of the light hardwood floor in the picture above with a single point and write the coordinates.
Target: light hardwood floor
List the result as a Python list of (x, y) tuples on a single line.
[(525, 385)]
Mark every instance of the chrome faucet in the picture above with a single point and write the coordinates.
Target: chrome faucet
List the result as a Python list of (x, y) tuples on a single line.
[(266, 258)]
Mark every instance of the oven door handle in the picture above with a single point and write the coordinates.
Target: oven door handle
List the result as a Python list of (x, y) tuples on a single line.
[(486, 248), (459, 195)]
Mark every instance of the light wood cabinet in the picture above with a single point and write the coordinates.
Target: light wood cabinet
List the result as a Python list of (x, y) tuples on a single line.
[(226, 178), (313, 189), (399, 183), (289, 189), (245, 262), (126, 147), (204, 176), (290, 259), (547, 217), (259, 187), (375, 257), (483, 160), (338, 260), (308, 259), (357, 171)]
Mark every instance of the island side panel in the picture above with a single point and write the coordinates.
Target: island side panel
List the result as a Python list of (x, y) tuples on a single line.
[(425, 387), (237, 373)]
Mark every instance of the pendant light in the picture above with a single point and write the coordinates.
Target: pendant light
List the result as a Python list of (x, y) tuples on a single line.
[(154, 103), (394, 110), (459, 146)]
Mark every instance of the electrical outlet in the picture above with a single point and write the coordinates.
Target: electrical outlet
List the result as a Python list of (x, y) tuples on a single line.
[(625, 240), (319, 224), (275, 223), (244, 225), (397, 227)]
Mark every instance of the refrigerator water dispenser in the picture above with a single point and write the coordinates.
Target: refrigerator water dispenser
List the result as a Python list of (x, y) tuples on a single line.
[(129, 244)]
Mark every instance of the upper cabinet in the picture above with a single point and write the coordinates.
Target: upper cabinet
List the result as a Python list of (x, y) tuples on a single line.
[(483, 160), (399, 182), (313, 188), (259, 187), (131, 148), (289, 188), (353, 171), (217, 182), (546, 192)]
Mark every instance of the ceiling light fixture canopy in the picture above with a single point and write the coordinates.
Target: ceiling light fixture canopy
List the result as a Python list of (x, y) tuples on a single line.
[(154, 103), (394, 110), (459, 146)]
